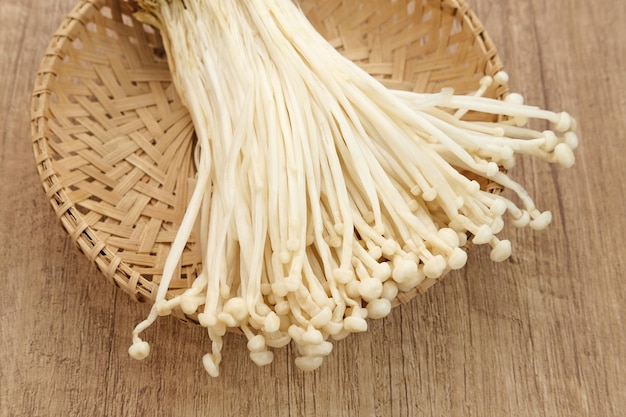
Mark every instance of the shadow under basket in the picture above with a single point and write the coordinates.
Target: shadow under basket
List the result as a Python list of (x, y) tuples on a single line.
[(114, 145)]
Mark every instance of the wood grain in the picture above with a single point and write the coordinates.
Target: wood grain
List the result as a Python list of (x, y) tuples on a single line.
[(540, 335)]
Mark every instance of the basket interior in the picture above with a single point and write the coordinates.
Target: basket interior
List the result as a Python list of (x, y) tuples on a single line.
[(114, 145)]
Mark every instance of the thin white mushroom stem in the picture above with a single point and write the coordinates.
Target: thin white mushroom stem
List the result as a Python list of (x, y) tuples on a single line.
[(295, 173), (471, 136), (282, 203), (306, 302), (378, 270), (211, 361), (512, 107), (433, 127), (504, 145), (368, 232), (478, 212), (171, 263), (485, 83), (501, 249), (296, 310), (527, 201), (312, 282)]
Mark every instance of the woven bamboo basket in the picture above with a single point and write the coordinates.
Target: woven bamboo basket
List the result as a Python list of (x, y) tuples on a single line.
[(113, 144)]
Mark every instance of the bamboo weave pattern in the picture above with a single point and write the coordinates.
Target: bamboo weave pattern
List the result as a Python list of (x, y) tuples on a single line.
[(113, 144)]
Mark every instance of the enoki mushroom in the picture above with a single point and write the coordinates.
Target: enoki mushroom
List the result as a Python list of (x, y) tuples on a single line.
[(321, 194)]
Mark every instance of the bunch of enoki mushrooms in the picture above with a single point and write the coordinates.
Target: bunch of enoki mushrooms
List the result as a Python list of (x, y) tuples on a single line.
[(320, 194)]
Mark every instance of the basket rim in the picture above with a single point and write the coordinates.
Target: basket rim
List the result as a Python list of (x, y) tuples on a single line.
[(111, 265)]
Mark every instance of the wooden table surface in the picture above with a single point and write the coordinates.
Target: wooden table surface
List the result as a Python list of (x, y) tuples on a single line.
[(542, 334)]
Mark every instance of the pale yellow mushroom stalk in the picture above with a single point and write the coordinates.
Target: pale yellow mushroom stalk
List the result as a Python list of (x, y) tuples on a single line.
[(320, 193)]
